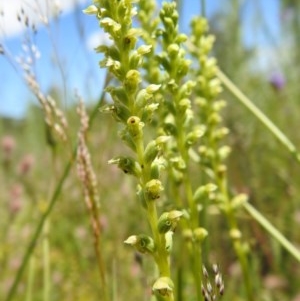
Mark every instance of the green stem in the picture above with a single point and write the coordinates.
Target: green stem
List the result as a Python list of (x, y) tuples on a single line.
[(272, 231), (195, 250), (233, 225), (30, 279), (161, 256), (46, 261), (282, 138)]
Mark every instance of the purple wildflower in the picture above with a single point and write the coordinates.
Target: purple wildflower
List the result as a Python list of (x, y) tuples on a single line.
[(277, 81)]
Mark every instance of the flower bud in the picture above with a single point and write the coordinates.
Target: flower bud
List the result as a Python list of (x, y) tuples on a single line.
[(118, 94), (181, 38), (151, 89), (183, 68), (178, 163), (142, 50), (157, 165), (114, 66), (127, 164), (204, 191), (153, 147), (187, 88), (132, 81), (210, 67), (215, 87), (135, 126), (214, 119), (194, 136), (109, 25), (187, 234), (168, 221), (220, 133), (153, 189), (200, 234), (141, 196), (141, 243), (151, 151), (135, 60), (142, 98), (224, 152), (184, 104), (164, 61), (235, 234), (219, 105), (239, 200), (127, 138), (163, 286), (173, 50), (155, 170)]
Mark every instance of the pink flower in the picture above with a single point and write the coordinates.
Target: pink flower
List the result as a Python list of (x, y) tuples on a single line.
[(15, 203), (8, 145), (26, 164)]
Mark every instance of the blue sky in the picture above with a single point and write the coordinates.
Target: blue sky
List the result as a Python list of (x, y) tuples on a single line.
[(67, 55)]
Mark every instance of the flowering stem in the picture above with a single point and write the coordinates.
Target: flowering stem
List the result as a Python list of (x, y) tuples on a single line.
[(233, 226)]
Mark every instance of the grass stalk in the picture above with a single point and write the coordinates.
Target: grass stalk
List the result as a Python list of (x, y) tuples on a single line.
[(46, 262), (242, 98), (31, 272), (277, 235), (203, 8)]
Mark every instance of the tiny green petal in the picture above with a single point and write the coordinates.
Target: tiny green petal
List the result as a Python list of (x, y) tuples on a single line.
[(153, 88), (162, 139), (144, 49), (131, 240), (91, 10), (163, 286), (110, 25), (169, 240), (127, 164), (141, 243)]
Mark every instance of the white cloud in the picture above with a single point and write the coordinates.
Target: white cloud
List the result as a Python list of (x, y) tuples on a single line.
[(38, 11), (96, 39)]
